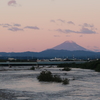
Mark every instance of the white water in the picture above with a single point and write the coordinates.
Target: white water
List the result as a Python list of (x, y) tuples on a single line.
[(23, 85)]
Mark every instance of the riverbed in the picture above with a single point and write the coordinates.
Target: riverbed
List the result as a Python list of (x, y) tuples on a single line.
[(20, 83)]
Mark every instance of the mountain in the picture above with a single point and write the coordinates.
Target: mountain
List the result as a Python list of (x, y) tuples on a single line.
[(66, 49), (50, 53), (67, 53), (69, 45)]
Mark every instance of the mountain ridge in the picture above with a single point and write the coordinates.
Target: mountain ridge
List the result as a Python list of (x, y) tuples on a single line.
[(51, 53), (77, 51)]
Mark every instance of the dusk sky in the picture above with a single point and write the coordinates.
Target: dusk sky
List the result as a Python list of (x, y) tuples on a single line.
[(36, 25)]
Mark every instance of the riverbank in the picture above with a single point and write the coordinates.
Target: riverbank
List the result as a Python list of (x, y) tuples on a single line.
[(93, 65)]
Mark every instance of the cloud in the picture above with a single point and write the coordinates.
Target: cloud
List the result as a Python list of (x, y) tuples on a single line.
[(12, 3), (67, 35), (15, 29), (87, 31), (56, 36), (32, 27), (69, 31), (52, 21), (1, 24), (66, 31), (82, 31), (5, 25), (70, 22), (81, 36), (60, 20), (60, 30), (94, 48), (17, 25), (63, 21), (87, 25)]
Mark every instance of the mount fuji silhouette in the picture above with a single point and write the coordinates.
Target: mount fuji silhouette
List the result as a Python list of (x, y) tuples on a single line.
[(65, 49), (69, 45)]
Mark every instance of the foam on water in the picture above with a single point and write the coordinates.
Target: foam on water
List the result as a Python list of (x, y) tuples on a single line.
[(25, 86)]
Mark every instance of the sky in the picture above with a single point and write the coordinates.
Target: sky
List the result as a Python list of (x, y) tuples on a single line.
[(37, 25)]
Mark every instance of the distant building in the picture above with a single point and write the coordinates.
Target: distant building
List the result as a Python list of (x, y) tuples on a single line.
[(11, 59), (56, 59)]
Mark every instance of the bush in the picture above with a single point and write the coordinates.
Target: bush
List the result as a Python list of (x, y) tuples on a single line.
[(32, 68), (98, 68), (63, 65), (65, 81), (57, 78), (66, 69), (48, 77), (45, 76)]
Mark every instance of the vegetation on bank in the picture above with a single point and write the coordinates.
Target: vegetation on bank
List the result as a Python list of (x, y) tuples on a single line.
[(94, 65), (47, 76), (32, 68), (66, 69)]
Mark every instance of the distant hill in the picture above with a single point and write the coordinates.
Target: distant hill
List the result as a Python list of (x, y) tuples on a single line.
[(69, 45), (51, 53), (67, 49), (67, 53)]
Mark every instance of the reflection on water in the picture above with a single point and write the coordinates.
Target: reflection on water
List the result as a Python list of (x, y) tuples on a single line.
[(23, 85)]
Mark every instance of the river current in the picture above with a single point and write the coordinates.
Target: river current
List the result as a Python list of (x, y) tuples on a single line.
[(20, 83)]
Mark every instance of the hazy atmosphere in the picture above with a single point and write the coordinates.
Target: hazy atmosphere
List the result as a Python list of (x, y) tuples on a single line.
[(36, 25)]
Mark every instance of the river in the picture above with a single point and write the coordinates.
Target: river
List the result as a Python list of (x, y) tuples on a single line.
[(19, 83)]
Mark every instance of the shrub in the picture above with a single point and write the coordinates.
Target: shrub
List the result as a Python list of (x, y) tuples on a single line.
[(65, 81), (97, 68), (32, 68), (48, 77), (57, 78), (45, 76), (63, 65), (66, 69)]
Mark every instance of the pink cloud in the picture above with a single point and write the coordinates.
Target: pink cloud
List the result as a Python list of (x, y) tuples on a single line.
[(12, 2)]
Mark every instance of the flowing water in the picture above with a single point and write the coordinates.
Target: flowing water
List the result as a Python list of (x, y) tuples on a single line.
[(19, 83)]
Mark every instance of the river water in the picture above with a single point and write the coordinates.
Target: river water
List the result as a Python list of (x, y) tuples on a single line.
[(19, 83)]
